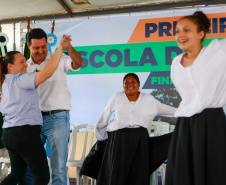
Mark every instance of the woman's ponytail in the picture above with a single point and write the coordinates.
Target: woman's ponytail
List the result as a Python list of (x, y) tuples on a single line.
[(202, 21), (9, 58), (2, 75)]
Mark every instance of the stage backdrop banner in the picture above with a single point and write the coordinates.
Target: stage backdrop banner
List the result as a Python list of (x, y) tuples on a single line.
[(113, 45)]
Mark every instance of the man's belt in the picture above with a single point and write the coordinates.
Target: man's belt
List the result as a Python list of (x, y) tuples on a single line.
[(51, 112)]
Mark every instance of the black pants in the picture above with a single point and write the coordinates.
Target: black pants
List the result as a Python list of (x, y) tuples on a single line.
[(25, 148)]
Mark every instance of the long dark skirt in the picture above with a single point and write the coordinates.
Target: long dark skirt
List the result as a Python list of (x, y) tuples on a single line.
[(126, 158), (197, 153), (157, 149)]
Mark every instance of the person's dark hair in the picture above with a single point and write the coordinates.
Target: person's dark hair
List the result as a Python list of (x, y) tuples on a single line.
[(36, 33), (133, 75), (201, 20), (9, 58)]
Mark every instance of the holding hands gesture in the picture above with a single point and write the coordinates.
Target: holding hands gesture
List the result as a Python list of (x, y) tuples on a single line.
[(66, 42), (76, 58)]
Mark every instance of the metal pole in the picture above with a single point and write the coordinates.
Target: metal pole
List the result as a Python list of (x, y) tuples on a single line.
[(14, 40)]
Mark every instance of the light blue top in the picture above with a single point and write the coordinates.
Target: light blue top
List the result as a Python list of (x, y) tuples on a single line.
[(20, 104)]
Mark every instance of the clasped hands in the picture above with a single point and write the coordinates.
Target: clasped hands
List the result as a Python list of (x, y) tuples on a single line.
[(66, 42)]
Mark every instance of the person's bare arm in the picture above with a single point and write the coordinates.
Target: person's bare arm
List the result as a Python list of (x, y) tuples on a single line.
[(76, 58), (49, 68)]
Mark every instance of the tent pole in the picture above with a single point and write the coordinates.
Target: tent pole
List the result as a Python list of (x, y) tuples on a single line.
[(14, 35)]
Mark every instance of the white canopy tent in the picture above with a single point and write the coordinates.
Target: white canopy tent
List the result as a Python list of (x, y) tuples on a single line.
[(14, 11)]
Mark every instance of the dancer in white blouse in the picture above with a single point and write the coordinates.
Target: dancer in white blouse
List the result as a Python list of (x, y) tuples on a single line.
[(197, 154), (126, 157)]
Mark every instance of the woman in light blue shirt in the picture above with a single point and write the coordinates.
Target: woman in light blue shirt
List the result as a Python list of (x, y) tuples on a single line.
[(22, 116)]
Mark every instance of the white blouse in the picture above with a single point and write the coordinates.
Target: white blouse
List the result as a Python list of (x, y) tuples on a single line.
[(202, 85), (130, 114)]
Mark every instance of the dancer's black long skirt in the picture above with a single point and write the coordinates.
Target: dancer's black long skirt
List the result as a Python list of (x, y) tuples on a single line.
[(197, 153), (126, 158), (99, 154)]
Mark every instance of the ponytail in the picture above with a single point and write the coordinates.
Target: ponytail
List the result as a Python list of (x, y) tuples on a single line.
[(2, 75), (202, 21), (9, 58)]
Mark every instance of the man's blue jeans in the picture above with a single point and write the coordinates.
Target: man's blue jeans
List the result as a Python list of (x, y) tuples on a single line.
[(55, 129)]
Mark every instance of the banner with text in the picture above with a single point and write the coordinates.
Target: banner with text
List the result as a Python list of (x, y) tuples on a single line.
[(111, 46)]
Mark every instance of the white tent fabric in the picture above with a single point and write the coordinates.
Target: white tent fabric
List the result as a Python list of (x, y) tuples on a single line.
[(15, 9)]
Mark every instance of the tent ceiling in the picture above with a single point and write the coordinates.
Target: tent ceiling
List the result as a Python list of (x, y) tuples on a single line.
[(14, 11)]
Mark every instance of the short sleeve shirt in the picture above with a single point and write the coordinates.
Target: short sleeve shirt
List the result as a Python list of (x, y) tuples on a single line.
[(54, 93), (20, 103)]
